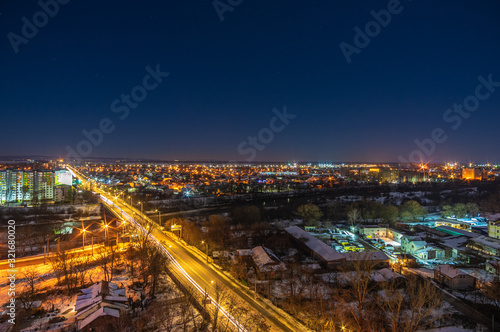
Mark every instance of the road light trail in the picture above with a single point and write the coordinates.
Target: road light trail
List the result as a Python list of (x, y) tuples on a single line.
[(172, 259), (199, 272)]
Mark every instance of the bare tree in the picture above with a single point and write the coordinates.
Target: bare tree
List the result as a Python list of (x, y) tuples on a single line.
[(157, 264), (357, 296), (235, 309), (220, 295), (492, 291), (131, 256), (410, 305), (186, 312), (31, 275), (81, 266), (354, 216), (61, 264), (107, 260), (392, 301), (423, 300), (164, 315)]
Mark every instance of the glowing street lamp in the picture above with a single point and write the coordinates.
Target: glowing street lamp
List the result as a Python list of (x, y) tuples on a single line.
[(105, 226), (205, 297), (206, 248), (83, 231), (159, 217)]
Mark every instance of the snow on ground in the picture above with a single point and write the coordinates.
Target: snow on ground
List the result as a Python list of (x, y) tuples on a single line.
[(480, 274), (423, 272), (448, 329), (394, 198), (47, 281)]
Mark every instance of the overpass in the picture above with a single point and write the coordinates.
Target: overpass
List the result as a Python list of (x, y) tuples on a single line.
[(193, 271)]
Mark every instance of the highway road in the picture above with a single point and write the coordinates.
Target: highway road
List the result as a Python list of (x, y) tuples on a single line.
[(38, 259), (201, 274)]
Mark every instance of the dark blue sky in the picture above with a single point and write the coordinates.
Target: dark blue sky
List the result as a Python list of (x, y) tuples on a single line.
[(226, 77)]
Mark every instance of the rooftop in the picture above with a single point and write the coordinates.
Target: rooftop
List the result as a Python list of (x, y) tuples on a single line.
[(450, 271), (456, 231), (102, 298), (487, 241), (266, 260), (317, 246), (373, 255)]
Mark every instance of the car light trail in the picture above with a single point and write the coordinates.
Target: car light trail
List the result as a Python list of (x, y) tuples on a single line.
[(126, 216)]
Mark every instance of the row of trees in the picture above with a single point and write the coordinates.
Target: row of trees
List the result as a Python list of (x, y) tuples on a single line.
[(365, 211), (151, 262), (216, 237), (72, 269), (460, 210)]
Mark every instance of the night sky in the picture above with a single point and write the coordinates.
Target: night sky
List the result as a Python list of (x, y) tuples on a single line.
[(226, 77)]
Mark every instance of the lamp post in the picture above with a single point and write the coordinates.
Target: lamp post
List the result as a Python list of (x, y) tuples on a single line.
[(205, 298), (159, 218), (206, 248), (141, 207), (106, 233), (83, 238)]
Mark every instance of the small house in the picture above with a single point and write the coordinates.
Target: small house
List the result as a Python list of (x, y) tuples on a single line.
[(453, 278)]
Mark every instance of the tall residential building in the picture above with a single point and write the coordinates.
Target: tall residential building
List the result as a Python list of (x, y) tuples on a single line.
[(3, 185), (16, 186), (25, 186), (471, 174), (494, 229), (44, 185)]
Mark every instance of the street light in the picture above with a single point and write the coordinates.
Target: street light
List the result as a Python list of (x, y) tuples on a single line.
[(123, 225), (206, 248), (105, 226), (159, 218), (83, 237), (205, 297)]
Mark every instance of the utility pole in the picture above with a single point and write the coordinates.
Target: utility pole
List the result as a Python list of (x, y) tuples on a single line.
[(206, 248), (255, 286), (269, 288)]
